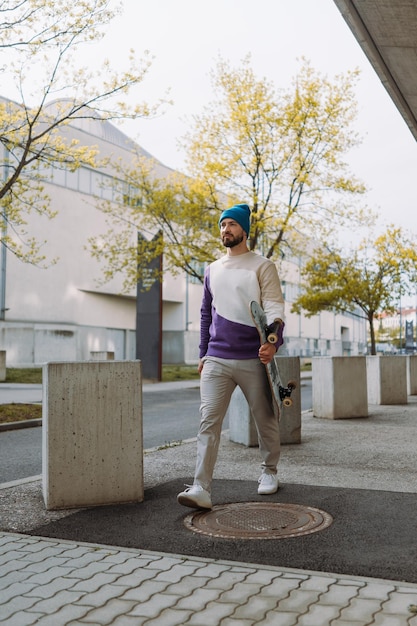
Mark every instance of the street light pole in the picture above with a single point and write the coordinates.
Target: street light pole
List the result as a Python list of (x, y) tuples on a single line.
[(3, 252)]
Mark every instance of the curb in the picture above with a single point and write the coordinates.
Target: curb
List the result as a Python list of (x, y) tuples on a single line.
[(22, 424), (21, 481)]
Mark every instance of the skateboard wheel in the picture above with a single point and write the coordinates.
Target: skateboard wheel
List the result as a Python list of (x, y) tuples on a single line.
[(272, 338), (287, 402), (292, 384)]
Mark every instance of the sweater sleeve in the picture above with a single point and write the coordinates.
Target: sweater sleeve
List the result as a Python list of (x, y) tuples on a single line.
[(205, 319), (272, 300)]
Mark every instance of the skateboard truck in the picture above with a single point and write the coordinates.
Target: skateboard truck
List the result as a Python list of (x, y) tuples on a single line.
[(285, 393), (272, 330)]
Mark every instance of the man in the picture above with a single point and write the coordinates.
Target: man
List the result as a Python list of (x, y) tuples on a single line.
[(230, 353)]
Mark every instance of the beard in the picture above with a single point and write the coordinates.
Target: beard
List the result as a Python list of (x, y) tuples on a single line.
[(231, 240)]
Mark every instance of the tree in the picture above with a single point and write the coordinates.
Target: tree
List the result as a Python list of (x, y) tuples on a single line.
[(28, 22), (279, 152), (371, 278), (175, 206), (42, 39)]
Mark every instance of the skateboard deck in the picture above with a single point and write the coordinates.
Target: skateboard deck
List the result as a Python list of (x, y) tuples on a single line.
[(280, 394)]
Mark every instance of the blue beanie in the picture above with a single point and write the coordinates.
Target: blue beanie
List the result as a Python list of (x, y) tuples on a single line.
[(240, 213)]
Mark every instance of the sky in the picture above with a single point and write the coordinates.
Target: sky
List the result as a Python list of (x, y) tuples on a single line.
[(186, 37)]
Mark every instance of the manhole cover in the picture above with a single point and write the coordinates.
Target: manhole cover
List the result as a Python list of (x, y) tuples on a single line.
[(258, 520)]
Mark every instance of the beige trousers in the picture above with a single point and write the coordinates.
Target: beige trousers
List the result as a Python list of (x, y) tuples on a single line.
[(218, 381)]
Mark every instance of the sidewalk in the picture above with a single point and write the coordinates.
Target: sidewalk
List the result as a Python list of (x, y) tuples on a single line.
[(57, 583), (68, 577)]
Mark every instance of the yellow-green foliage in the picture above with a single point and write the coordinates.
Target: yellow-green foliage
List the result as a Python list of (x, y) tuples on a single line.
[(40, 38), (370, 278), (183, 210), (281, 152)]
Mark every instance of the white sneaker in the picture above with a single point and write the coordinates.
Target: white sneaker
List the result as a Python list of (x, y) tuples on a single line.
[(196, 497), (268, 483)]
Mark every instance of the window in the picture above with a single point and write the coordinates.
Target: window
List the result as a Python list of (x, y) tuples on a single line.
[(72, 180), (85, 180)]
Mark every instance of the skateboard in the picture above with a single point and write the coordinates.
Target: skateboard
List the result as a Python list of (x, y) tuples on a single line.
[(280, 394)]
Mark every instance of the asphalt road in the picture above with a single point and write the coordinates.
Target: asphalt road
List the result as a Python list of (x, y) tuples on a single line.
[(168, 416)]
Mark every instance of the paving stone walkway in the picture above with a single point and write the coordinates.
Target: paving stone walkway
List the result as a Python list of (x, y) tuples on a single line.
[(56, 583)]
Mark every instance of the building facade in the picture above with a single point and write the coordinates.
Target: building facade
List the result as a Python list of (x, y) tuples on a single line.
[(62, 314)]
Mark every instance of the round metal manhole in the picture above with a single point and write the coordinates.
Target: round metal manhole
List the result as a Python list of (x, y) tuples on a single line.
[(258, 520)]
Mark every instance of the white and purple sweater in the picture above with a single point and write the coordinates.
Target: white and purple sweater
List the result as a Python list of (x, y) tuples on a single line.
[(230, 283)]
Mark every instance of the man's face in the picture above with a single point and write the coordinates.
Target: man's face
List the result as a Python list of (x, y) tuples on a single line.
[(232, 234)]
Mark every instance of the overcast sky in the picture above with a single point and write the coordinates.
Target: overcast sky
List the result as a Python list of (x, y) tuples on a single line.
[(186, 37)]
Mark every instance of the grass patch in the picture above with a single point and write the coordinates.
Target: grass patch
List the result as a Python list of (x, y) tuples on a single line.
[(27, 375), (33, 375), (19, 412), (172, 373)]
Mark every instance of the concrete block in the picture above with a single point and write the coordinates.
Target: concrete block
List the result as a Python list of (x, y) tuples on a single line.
[(92, 444), (101, 355), (387, 379), (241, 424), (412, 374), (339, 387), (2, 365)]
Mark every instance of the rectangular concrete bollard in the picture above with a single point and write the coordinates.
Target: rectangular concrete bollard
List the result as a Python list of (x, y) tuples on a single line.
[(387, 379), (2, 365), (412, 374), (241, 424), (92, 444), (339, 387), (101, 355)]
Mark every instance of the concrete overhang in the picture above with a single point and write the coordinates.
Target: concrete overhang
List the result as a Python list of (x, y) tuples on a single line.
[(387, 33)]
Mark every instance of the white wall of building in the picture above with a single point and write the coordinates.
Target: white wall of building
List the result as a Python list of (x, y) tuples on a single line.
[(61, 313)]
